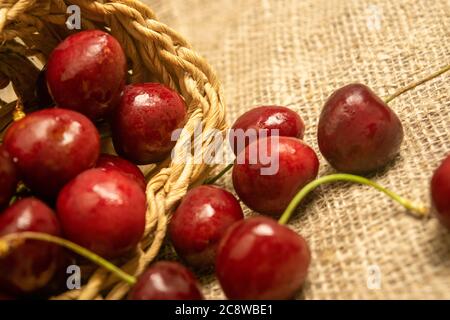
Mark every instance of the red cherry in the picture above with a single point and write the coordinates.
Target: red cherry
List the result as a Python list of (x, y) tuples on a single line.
[(144, 122), (288, 122), (103, 211), (200, 221), (86, 72), (50, 147), (271, 193), (166, 281), (259, 259), (440, 192), (8, 177), (358, 132), (4, 297), (31, 265), (109, 162)]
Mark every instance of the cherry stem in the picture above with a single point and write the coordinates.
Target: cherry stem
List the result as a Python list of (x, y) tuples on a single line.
[(411, 86), (417, 83), (417, 210), (12, 240), (212, 180)]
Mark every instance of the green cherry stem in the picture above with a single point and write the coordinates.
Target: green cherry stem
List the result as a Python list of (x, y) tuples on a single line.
[(12, 240), (388, 99), (416, 210), (213, 180), (417, 83)]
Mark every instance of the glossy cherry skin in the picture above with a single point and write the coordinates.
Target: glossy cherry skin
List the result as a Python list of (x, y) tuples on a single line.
[(103, 211), (144, 122), (259, 259), (271, 193), (358, 133), (166, 281), (200, 221), (8, 177), (286, 121), (86, 72), (440, 192), (50, 147), (108, 162), (31, 265)]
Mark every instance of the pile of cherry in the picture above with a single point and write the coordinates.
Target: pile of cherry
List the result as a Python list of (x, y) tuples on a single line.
[(97, 201)]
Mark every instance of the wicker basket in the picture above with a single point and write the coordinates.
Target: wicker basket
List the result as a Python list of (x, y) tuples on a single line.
[(30, 29)]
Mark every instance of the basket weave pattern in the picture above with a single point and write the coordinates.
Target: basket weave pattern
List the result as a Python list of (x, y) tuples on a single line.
[(156, 53)]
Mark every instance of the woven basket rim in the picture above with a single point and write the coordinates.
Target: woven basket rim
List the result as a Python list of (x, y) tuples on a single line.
[(155, 49)]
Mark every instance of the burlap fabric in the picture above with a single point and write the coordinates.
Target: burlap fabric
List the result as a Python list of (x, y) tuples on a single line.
[(295, 53)]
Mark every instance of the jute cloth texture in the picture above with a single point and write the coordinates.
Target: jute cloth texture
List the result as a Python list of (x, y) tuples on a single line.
[(296, 53)]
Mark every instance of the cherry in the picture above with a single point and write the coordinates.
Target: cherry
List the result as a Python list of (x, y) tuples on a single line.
[(166, 281), (86, 72), (4, 297), (288, 122), (31, 265), (144, 122), (358, 132), (50, 147), (8, 177), (103, 211), (440, 192), (271, 193), (200, 221), (109, 162), (261, 259)]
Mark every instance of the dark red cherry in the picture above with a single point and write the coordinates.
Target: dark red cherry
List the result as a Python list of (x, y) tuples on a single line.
[(358, 132), (144, 122), (86, 72), (103, 211), (269, 192), (50, 147), (440, 192), (4, 297), (286, 121), (8, 177), (166, 281), (259, 259), (31, 265), (200, 221), (109, 162)]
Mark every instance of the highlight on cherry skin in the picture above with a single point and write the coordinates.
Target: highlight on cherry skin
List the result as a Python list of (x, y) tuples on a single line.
[(166, 280), (199, 222), (270, 194), (33, 263), (86, 72), (144, 121), (260, 259), (286, 121), (56, 143), (440, 192), (358, 132), (103, 211), (108, 162)]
